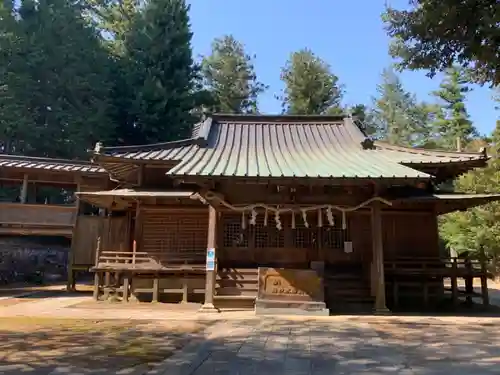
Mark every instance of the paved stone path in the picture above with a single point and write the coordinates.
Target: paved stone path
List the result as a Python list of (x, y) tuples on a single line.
[(241, 343), (272, 346)]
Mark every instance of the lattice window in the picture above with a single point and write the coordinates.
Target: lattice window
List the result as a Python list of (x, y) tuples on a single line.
[(234, 235), (268, 236), (333, 237), (174, 237), (305, 238)]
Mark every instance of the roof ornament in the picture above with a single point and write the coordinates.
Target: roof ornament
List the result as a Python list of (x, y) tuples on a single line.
[(368, 144)]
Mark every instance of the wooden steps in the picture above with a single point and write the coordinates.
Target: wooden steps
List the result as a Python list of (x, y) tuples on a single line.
[(236, 287), (346, 288)]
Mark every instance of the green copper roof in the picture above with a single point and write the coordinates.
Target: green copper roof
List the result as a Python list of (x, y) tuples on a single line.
[(285, 146)]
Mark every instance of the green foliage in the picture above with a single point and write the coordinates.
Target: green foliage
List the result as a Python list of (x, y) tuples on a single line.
[(452, 122), (399, 117), (229, 75), (434, 34), (310, 85), (114, 18), (477, 229), (161, 72), (57, 80)]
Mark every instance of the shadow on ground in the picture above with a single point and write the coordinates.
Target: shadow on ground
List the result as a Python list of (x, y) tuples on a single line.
[(321, 347), (42, 346)]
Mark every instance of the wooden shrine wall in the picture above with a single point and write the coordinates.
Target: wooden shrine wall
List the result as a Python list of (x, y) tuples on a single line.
[(410, 234), (259, 245), (114, 232), (173, 235), (406, 234)]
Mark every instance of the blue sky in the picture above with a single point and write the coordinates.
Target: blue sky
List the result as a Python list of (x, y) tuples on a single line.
[(347, 34)]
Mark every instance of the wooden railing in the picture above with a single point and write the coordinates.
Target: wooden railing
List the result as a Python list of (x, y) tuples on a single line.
[(130, 260), (446, 267), (43, 215)]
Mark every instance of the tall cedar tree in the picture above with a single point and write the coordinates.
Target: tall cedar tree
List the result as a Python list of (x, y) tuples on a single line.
[(229, 75), (114, 18), (16, 122), (310, 85), (434, 34), (162, 72), (400, 119), (453, 122), (62, 79)]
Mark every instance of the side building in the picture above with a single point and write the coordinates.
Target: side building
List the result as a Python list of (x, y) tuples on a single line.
[(37, 201)]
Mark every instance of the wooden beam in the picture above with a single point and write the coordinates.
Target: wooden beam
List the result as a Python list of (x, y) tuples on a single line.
[(378, 258), (208, 306)]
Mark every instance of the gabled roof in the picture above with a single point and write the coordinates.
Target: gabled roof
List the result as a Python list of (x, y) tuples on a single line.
[(48, 164), (284, 146)]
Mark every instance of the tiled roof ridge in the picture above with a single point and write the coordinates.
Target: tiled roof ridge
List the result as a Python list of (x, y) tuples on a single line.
[(21, 158), (431, 152)]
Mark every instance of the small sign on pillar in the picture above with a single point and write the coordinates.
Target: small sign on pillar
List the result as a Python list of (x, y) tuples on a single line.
[(210, 259)]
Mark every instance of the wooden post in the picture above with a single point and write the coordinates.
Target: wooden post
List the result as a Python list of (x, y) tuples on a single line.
[(71, 285), (208, 306), (97, 274), (454, 284), (126, 286), (185, 291), (156, 289), (469, 286), (484, 281), (378, 259), (24, 190), (97, 279)]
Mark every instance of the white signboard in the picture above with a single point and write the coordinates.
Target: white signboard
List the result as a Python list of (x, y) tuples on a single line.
[(210, 260)]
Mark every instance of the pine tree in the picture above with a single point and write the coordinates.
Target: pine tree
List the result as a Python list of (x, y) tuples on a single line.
[(310, 85), (162, 71), (453, 122), (229, 75)]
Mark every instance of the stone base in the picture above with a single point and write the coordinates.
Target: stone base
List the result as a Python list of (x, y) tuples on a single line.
[(208, 308), (270, 307), (381, 311)]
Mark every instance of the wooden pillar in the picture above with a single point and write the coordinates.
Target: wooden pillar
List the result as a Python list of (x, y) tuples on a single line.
[(185, 290), (484, 281), (378, 259), (24, 190), (454, 284), (156, 289), (208, 306), (97, 281), (126, 287), (71, 284)]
